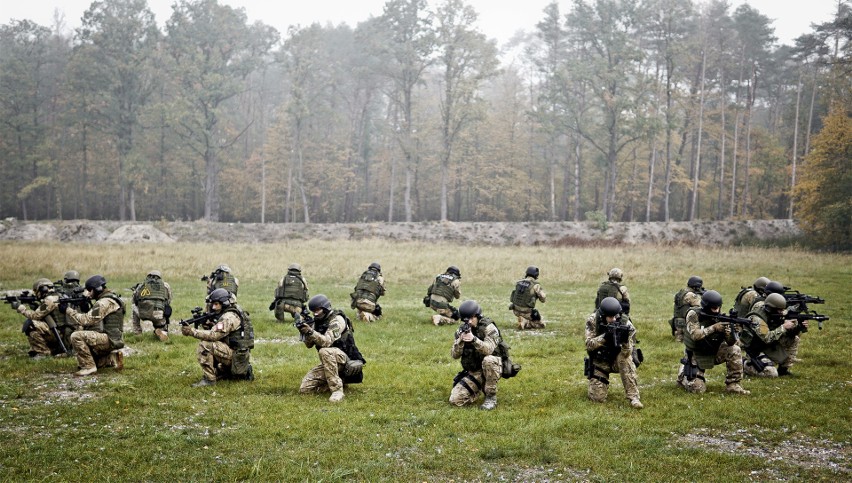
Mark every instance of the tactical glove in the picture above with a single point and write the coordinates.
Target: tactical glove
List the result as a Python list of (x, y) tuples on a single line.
[(15, 304)]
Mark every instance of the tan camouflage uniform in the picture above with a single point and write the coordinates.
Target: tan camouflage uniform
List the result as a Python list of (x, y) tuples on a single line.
[(728, 352), (365, 307), (484, 380), (158, 319), (623, 364), (326, 376), (779, 336), (92, 347), (213, 351), (41, 337), (524, 314), (691, 299), (443, 316)]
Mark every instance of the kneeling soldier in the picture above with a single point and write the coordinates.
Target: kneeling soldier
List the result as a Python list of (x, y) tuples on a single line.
[(476, 344), (97, 343), (224, 350), (609, 343)]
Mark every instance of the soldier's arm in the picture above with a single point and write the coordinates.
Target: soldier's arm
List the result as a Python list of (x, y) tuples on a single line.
[(457, 348), (624, 293), (539, 292), (100, 309), (335, 330), (47, 306), (489, 344), (457, 288), (694, 327), (766, 335), (226, 324), (593, 342)]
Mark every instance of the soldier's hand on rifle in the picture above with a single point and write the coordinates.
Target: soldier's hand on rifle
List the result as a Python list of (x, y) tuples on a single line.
[(789, 324), (717, 327), (15, 304), (305, 329), (728, 330), (466, 336), (598, 341), (187, 330)]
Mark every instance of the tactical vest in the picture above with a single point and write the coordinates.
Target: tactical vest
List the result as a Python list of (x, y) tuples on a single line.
[(523, 295), (150, 296), (368, 286), (741, 306), (704, 350), (68, 290), (443, 286), (608, 289), (228, 282), (292, 289), (346, 341), (680, 305), (471, 359), (113, 324), (243, 337)]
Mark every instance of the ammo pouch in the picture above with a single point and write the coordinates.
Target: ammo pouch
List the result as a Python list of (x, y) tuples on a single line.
[(241, 362), (508, 368), (637, 356), (427, 301), (588, 368), (352, 372)]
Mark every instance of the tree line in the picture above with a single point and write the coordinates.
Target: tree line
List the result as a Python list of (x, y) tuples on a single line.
[(623, 110)]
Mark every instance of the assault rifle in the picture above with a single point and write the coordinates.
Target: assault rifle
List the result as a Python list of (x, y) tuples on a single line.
[(301, 320), (198, 317), (802, 316), (81, 302), (618, 332), (794, 297), (24, 298), (730, 319), (465, 327)]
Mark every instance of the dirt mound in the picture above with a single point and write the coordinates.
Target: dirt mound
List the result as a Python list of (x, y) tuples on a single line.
[(721, 233)]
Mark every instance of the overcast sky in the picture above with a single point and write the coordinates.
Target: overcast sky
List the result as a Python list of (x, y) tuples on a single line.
[(498, 19)]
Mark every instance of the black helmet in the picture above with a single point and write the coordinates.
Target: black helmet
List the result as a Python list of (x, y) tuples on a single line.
[(220, 295), (774, 287), (375, 266), (468, 309), (531, 272), (711, 299), (610, 306), (319, 302), (454, 270), (96, 283), (72, 276), (694, 282)]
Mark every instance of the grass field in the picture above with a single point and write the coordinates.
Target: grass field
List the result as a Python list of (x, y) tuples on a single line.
[(147, 424)]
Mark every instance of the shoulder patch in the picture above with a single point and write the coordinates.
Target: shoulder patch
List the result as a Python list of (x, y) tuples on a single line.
[(220, 326)]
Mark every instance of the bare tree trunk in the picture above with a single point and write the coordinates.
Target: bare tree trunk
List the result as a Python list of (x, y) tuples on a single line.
[(132, 201), (652, 161), (697, 173), (407, 196), (810, 115), (262, 188), (795, 145), (391, 189), (552, 182), (289, 214), (734, 165), (752, 90), (723, 105), (578, 154)]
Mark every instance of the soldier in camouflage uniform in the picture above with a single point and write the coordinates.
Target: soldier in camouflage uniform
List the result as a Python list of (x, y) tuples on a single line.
[(444, 290), (612, 287), (684, 300), (152, 301), (37, 328), (749, 296), (365, 298), (480, 358), (606, 357), (709, 343), (291, 293), (527, 291), (224, 278), (99, 341), (772, 336), (340, 360), (69, 286), (224, 348)]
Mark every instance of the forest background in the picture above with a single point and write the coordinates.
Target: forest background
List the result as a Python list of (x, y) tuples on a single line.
[(617, 110)]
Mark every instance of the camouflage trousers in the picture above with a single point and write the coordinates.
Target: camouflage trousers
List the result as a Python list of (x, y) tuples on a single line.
[(91, 348), (365, 310), (325, 376), (732, 356), (468, 389), (212, 354), (41, 339), (282, 309), (768, 371), (791, 346), (599, 383), (678, 326), (442, 316), (157, 319), (525, 320)]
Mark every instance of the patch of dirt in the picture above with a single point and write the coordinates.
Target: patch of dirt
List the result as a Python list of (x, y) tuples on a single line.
[(721, 233), (797, 451)]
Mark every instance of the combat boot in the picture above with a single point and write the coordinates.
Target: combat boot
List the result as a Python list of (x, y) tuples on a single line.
[(204, 382), (336, 396), (86, 372), (636, 403), (436, 319), (735, 388), (161, 334), (117, 360), (784, 371), (489, 403)]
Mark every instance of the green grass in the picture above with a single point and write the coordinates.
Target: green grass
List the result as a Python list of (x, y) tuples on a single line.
[(148, 424)]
